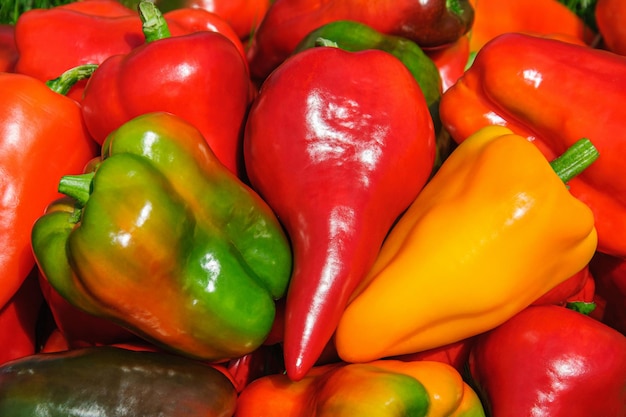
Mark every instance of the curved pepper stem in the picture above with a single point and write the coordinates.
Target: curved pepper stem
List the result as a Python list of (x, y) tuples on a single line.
[(78, 187), (154, 24), (66, 81), (575, 159)]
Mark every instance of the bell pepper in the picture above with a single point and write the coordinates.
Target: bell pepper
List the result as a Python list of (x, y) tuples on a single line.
[(51, 41), (242, 15), (550, 361), (380, 388), (533, 92), (200, 77), (609, 273), (546, 17), (430, 23), (569, 288), (18, 321), (42, 137), (608, 15), (168, 243), (338, 162), (108, 381), (493, 230), (451, 61), (8, 49)]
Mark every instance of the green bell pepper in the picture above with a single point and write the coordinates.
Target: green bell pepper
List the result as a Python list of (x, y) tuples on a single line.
[(107, 381), (166, 242)]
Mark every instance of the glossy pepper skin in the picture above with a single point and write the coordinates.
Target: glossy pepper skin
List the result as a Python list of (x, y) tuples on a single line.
[(540, 17), (431, 23), (338, 159), (486, 237), (200, 77), (42, 137), (355, 36), (533, 92), (380, 388), (549, 361), (89, 31), (168, 243), (108, 381)]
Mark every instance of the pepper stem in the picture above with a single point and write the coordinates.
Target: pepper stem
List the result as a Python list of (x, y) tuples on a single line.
[(69, 78), (575, 159), (77, 187), (154, 24)]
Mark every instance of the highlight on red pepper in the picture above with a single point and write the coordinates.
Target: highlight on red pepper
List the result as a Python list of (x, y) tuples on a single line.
[(168, 243), (533, 92), (200, 77), (550, 361), (384, 388), (338, 162), (113, 382), (42, 137), (90, 31), (429, 23), (486, 237)]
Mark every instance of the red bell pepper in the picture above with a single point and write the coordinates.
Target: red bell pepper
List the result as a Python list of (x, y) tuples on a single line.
[(537, 93), (8, 49), (550, 361), (42, 137), (18, 321), (610, 277), (610, 20), (51, 41), (201, 77), (564, 292), (429, 23), (451, 61), (338, 161)]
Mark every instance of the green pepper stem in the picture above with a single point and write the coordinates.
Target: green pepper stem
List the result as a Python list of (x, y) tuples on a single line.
[(575, 159), (154, 24), (77, 187), (69, 78)]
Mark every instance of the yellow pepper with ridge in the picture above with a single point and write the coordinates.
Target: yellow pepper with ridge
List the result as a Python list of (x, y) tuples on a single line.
[(493, 230)]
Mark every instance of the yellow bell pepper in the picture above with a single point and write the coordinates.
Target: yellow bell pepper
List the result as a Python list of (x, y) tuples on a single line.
[(492, 231), (382, 388)]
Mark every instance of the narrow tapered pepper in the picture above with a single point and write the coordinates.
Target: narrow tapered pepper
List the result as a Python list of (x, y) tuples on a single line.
[(338, 159), (430, 23), (384, 388), (550, 361), (486, 237), (42, 137), (537, 93), (201, 77), (167, 243), (106, 381)]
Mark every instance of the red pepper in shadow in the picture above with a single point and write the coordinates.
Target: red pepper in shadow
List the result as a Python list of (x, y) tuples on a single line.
[(610, 276), (429, 23), (338, 159), (610, 20), (8, 49), (550, 361)]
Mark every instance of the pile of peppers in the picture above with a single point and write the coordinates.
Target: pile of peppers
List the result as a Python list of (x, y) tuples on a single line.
[(303, 208)]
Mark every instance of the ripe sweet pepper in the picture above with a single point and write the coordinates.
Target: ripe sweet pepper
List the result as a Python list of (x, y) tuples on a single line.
[(107, 381), (338, 159), (550, 361), (534, 92), (201, 77), (384, 388), (609, 18), (429, 23), (168, 243), (486, 237), (42, 137)]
